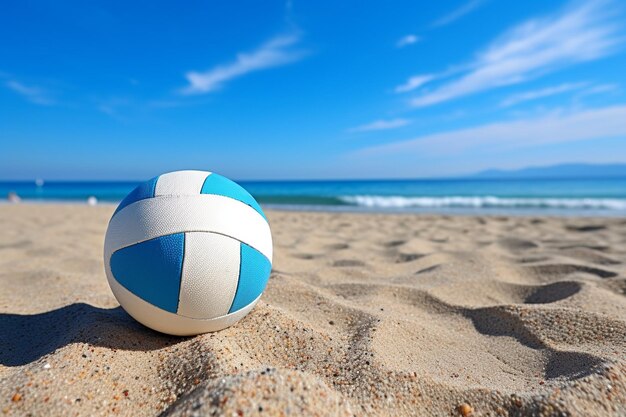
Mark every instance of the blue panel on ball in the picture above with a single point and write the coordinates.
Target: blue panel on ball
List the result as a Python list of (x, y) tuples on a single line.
[(216, 184), (141, 192), (253, 275), (152, 269)]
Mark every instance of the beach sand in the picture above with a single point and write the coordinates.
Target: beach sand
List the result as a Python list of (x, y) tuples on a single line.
[(364, 314)]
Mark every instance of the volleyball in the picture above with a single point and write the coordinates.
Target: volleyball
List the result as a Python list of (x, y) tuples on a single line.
[(188, 252)]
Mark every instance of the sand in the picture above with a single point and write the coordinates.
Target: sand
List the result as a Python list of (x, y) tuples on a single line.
[(364, 314)]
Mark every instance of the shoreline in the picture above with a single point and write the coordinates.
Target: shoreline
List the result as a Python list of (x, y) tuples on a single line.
[(347, 209)]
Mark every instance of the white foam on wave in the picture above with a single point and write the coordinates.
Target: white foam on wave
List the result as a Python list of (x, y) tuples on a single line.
[(378, 201)]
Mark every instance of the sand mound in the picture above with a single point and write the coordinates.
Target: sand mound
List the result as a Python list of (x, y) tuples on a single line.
[(266, 392)]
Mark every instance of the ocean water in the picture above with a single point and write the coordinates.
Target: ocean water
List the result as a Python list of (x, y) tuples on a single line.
[(602, 197)]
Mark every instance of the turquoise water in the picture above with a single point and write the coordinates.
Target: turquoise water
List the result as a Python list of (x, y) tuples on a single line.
[(559, 197)]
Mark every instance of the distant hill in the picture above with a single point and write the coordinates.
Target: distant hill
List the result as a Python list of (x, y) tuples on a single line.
[(559, 171)]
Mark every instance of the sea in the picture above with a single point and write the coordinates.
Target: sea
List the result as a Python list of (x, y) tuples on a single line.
[(559, 197)]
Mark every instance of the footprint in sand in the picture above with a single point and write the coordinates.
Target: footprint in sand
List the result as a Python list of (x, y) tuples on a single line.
[(408, 257), (394, 243), (348, 263), (429, 269), (586, 228), (305, 256), (568, 269), (337, 246), (514, 244), (553, 292)]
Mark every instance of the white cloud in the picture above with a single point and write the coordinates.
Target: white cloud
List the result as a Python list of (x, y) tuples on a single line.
[(414, 82), (381, 125), (33, 94), (116, 107), (274, 53), (582, 33), (407, 40), (544, 92), (458, 13), (607, 122), (599, 89)]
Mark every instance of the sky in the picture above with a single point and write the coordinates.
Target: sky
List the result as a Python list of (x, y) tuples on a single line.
[(308, 90)]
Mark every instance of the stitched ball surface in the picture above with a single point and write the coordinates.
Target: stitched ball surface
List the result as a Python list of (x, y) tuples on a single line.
[(188, 252)]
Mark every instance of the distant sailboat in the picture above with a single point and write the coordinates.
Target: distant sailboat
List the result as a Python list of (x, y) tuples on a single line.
[(39, 182)]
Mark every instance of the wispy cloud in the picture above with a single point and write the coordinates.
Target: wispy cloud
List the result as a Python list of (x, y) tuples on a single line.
[(276, 52), (31, 93), (407, 40), (116, 107), (580, 33), (381, 125), (414, 82), (607, 122), (537, 94), (458, 13), (599, 89)]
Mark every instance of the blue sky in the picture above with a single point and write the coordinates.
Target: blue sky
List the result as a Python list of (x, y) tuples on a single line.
[(303, 90)]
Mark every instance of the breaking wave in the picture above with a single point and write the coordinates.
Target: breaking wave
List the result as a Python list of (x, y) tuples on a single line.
[(378, 201)]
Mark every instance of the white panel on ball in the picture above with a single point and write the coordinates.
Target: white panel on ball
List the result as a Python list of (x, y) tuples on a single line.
[(211, 266), (153, 217), (180, 183)]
